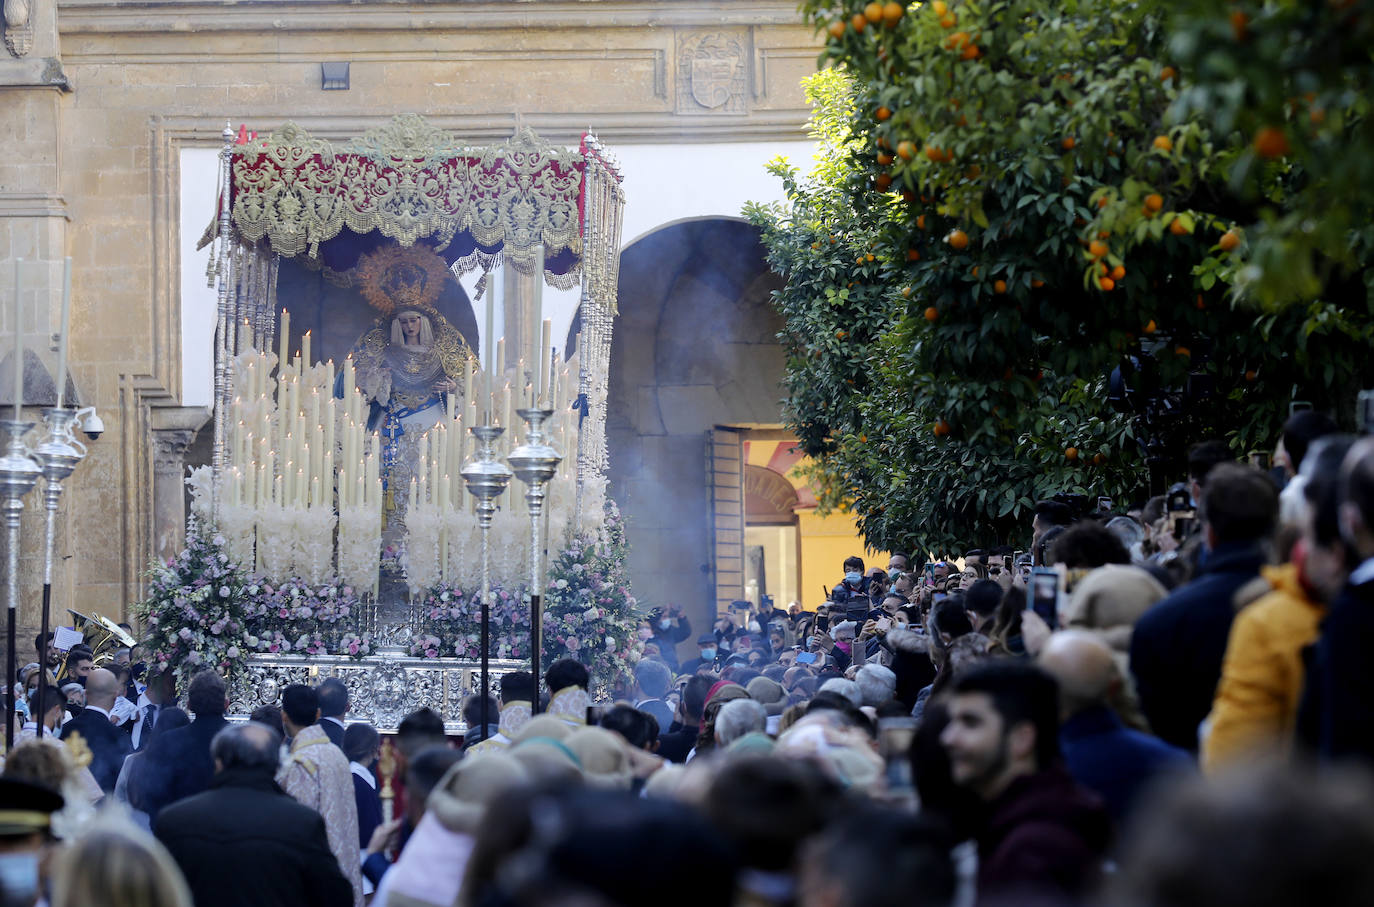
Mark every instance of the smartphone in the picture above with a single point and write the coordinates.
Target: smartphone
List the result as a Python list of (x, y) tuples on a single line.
[(1104, 504), (884, 623), (806, 658), (939, 597), (1183, 527), (1042, 595), (822, 622), (593, 715)]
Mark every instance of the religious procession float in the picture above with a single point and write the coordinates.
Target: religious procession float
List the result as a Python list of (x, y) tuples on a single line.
[(375, 467)]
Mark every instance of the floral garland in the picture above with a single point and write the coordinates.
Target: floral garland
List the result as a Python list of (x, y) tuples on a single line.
[(193, 617), (588, 612), (204, 610)]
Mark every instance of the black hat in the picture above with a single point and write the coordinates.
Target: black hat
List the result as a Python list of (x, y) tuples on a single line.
[(26, 807), (706, 639)]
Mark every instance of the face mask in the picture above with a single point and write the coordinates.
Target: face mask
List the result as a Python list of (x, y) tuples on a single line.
[(665, 623), (853, 578), (19, 877), (725, 645), (708, 654), (753, 626), (646, 635), (893, 574)]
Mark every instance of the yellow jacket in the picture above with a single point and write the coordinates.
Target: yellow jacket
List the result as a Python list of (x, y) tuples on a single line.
[(1256, 704)]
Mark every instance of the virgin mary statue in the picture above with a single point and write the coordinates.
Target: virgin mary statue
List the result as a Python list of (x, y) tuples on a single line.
[(409, 364)]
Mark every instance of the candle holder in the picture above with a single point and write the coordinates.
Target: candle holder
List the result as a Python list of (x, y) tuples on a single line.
[(486, 478), (57, 457), (535, 463), (18, 474)]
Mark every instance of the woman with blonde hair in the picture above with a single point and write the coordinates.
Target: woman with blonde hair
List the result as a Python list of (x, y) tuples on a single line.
[(115, 864)]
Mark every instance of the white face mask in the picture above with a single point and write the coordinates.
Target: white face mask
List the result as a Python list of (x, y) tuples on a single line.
[(753, 626), (19, 877)]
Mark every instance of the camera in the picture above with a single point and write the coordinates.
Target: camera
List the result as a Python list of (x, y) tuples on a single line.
[(1179, 499), (91, 423), (1364, 412)]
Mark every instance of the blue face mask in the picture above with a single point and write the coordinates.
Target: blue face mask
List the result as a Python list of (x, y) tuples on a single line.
[(19, 877), (708, 654), (853, 578), (665, 623)]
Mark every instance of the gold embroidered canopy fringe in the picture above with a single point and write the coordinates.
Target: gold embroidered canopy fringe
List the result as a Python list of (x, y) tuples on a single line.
[(285, 195)]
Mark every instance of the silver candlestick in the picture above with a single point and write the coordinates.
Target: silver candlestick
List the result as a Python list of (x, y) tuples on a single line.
[(486, 477), (535, 463), (18, 474), (57, 456)]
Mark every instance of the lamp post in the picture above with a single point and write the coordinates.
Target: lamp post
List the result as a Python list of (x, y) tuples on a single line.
[(486, 477), (57, 457), (18, 474), (535, 463)]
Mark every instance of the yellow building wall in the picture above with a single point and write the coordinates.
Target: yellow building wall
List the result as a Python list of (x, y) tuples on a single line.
[(825, 543)]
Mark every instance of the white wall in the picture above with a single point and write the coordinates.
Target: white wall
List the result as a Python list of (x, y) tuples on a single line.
[(663, 184)]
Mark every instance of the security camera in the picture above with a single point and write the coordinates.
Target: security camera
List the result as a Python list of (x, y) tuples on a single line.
[(91, 423)]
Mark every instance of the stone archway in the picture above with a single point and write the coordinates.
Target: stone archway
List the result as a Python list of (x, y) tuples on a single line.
[(695, 347)]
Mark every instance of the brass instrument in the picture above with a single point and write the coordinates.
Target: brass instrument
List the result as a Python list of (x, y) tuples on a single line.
[(101, 635)]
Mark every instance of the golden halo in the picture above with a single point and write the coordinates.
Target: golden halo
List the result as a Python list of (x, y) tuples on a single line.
[(403, 277)]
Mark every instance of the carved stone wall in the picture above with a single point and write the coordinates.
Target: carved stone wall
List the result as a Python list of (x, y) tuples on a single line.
[(94, 173)]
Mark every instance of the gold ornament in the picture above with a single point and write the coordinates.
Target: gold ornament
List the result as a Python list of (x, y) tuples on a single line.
[(396, 278)]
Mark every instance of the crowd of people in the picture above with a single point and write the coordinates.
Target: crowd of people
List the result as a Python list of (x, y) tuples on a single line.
[(1163, 705)]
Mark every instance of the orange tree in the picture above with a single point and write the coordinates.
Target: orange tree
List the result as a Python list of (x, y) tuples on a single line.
[(963, 276)]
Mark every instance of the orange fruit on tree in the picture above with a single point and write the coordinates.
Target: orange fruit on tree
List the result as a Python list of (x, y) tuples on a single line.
[(1102, 269), (1270, 142), (1037, 283), (949, 20), (906, 292), (1154, 201), (873, 12), (1177, 227), (1103, 201), (957, 239), (883, 113), (906, 150), (1118, 272), (974, 271), (1167, 73), (883, 182), (1071, 453), (858, 22), (920, 222), (1069, 142), (840, 335), (941, 429), (1163, 143), (971, 52), (836, 29), (1316, 116), (1099, 459), (884, 159), (1106, 284), (1229, 241), (1240, 23), (933, 154), (1097, 248), (939, 7), (869, 257), (892, 14), (932, 313), (1182, 351), (999, 287), (1201, 306), (913, 255), (1251, 374), (1150, 326)]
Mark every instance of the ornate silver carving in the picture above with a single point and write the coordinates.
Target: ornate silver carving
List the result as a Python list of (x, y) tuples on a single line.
[(382, 689)]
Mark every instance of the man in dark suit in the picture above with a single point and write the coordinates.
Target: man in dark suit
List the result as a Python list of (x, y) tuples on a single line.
[(1335, 717), (333, 708), (1178, 645), (107, 743), (245, 842), (187, 768)]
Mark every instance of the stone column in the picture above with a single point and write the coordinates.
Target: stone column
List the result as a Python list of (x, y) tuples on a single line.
[(174, 429)]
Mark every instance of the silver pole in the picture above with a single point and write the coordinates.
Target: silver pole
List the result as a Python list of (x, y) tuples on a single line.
[(18, 474), (535, 463), (486, 478)]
